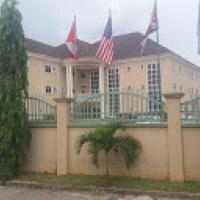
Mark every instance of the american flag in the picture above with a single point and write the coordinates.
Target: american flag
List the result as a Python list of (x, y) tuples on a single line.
[(105, 50)]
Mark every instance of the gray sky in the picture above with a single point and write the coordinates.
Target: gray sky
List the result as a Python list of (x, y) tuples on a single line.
[(49, 20)]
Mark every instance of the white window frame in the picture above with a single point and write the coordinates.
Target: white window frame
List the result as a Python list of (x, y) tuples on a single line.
[(117, 89), (155, 76), (92, 75), (53, 89), (53, 69), (128, 69)]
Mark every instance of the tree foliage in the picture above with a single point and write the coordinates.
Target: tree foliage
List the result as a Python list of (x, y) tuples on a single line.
[(14, 131), (103, 139)]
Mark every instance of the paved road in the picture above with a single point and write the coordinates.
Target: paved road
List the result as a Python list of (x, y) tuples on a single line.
[(13, 193)]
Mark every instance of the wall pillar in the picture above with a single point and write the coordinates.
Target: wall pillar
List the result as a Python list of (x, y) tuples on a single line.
[(63, 108), (175, 149)]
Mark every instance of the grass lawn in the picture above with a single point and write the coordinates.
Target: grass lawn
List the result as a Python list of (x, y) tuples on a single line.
[(118, 182)]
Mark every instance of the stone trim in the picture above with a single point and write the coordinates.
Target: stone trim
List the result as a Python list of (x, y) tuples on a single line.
[(42, 124), (136, 125)]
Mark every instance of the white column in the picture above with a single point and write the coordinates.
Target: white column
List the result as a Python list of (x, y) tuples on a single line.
[(72, 82), (69, 81), (102, 88)]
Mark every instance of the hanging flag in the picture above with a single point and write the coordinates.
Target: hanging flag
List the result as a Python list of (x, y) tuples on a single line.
[(153, 27), (198, 30), (71, 41), (105, 50)]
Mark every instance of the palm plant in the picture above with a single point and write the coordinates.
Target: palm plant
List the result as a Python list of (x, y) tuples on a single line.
[(103, 139)]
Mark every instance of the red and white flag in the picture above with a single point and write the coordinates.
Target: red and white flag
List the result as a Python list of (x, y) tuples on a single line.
[(105, 50), (152, 27), (72, 41)]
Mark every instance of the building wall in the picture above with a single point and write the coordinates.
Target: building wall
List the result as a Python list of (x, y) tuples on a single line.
[(152, 164), (191, 149), (177, 76), (38, 78), (42, 153), (182, 77)]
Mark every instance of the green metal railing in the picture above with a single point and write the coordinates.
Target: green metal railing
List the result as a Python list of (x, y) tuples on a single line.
[(121, 106), (40, 110), (190, 111)]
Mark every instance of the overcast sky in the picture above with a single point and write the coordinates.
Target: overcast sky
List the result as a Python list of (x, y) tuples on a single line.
[(49, 21)]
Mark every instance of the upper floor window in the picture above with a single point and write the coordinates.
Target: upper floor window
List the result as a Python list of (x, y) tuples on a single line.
[(181, 88), (180, 69), (47, 69), (143, 87), (174, 86), (128, 69), (129, 88), (49, 89), (174, 67)]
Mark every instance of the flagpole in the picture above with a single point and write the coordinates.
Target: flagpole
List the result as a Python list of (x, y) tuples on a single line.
[(158, 49), (157, 34)]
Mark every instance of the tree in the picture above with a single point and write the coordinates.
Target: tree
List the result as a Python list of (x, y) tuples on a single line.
[(14, 131), (103, 138)]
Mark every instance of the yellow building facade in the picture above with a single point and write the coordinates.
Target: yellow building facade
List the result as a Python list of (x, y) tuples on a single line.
[(52, 74)]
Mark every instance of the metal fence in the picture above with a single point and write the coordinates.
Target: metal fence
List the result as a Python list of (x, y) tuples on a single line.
[(190, 111), (40, 110), (121, 106)]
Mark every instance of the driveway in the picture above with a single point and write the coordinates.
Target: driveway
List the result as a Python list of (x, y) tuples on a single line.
[(13, 193)]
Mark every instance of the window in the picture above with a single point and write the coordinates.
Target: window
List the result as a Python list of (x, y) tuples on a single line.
[(128, 69), (74, 73), (180, 69), (48, 69), (48, 89), (154, 86), (82, 75), (129, 87), (174, 86), (181, 88), (173, 67), (83, 89), (94, 82), (113, 86), (143, 87)]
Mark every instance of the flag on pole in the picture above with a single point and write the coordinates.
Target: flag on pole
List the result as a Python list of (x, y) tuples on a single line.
[(198, 30), (152, 27), (105, 50), (71, 41)]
